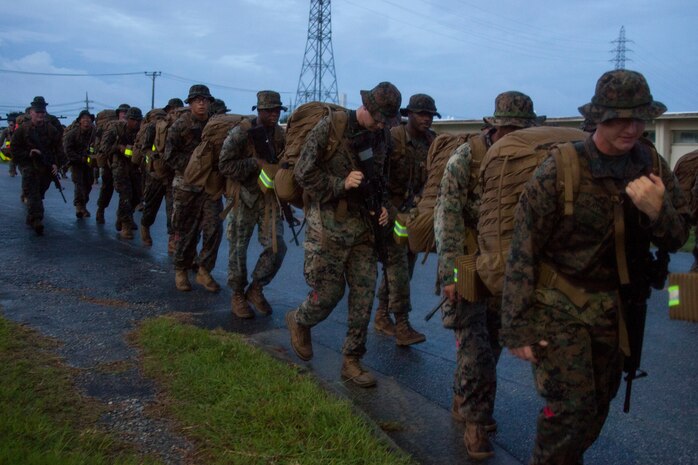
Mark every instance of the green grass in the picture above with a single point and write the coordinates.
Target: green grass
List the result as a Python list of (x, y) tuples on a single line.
[(43, 419), (240, 406)]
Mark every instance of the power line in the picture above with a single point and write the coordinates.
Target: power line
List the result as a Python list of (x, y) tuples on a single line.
[(211, 84), (13, 71)]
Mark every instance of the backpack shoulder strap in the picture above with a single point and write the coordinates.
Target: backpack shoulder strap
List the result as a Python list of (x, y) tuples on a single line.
[(567, 161)]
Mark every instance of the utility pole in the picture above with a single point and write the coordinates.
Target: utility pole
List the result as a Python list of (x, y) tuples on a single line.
[(153, 74), (318, 80), (87, 102), (620, 50)]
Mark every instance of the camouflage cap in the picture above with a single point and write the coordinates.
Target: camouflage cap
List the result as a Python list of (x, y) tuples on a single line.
[(267, 100), (86, 113), (123, 107), (199, 90), (39, 103), (13, 115), (173, 103), (383, 102), (134, 113), (513, 108), (155, 113), (218, 107), (421, 103), (622, 94)]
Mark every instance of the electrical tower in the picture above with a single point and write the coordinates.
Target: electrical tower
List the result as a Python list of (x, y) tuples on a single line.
[(620, 50), (318, 80)]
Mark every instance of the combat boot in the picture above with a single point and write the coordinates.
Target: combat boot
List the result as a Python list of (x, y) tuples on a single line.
[(118, 224), (477, 442), (357, 374), (182, 280), (490, 425), (85, 213), (78, 211), (145, 235), (383, 323), (204, 278), (255, 296), (301, 341), (405, 335), (13, 173), (100, 215), (171, 244), (240, 307), (126, 232), (38, 227)]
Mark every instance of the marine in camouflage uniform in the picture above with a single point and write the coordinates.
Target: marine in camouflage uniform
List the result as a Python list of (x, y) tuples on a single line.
[(78, 148), (339, 242), (476, 325), (242, 160), (118, 142), (37, 150), (406, 178), (6, 142), (106, 189), (195, 213), (575, 338)]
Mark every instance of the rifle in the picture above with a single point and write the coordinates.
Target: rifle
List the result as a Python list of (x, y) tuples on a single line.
[(435, 309), (264, 147)]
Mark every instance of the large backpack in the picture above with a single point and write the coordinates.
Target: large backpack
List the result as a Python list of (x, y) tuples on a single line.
[(420, 223), (202, 169), (102, 119), (506, 168), (299, 124), (142, 150), (686, 171)]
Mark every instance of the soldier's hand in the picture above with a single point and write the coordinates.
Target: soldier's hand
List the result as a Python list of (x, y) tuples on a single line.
[(34, 152), (450, 293), (353, 180), (647, 193), (383, 218), (54, 170), (526, 352)]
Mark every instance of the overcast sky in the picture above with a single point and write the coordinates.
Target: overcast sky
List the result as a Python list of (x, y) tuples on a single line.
[(463, 53)]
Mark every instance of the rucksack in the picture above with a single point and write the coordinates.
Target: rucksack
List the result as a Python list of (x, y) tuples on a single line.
[(143, 149), (202, 169), (686, 171), (163, 125), (506, 168), (420, 222), (299, 124), (102, 119)]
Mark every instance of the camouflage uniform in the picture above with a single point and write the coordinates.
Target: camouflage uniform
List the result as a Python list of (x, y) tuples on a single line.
[(155, 189), (194, 213), (6, 144), (78, 148), (126, 178), (476, 325), (579, 371), (36, 175), (339, 248)]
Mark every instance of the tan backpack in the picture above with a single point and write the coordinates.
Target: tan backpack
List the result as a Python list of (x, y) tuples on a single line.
[(506, 168), (686, 171), (420, 222), (202, 169), (299, 124), (102, 119)]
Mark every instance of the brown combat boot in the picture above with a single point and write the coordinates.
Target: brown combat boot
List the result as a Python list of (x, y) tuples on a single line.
[(182, 280), (301, 341), (78, 211), (38, 227), (240, 307), (357, 374), (383, 323), (490, 426), (100, 215), (86, 213), (204, 278), (255, 296), (171, 244), (145, 235), (126, 232), (477, 442), (405, 335)]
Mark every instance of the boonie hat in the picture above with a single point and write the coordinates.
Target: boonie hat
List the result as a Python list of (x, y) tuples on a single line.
[(421, 103), (383, 102), (513, 108), (268, 100)]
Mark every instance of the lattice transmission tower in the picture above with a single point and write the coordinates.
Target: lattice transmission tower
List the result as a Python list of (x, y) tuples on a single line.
[(318, 80), (619, 59)]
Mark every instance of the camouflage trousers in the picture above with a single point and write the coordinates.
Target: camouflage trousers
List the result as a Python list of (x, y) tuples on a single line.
[(242, 220), (477, 354), (328, 269), (127, 182), (82, 176), (35, 183), (194, 215), (396, 295), (155, 190), (13, 167), (106, 189), (578, 373)]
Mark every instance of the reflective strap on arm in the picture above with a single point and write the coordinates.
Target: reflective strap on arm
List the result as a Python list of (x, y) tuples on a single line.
[(266, 180), (399, 229)]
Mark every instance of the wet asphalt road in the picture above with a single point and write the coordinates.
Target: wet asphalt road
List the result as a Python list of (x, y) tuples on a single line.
[(81, 284)]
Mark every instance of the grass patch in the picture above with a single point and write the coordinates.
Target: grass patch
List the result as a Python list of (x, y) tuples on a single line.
[(243, 407), (44, 419)]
